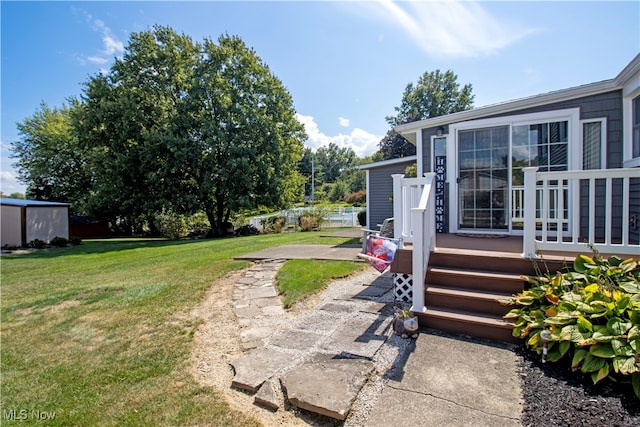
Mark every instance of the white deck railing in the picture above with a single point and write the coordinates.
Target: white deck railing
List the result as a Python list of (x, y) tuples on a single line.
[(558, 211), (414, 222), (565, 211)]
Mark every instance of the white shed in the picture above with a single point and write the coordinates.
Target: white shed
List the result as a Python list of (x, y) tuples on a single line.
[(26, 220)]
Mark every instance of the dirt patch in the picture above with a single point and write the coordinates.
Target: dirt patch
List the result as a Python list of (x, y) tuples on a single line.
[(217, 342), (49, 309)]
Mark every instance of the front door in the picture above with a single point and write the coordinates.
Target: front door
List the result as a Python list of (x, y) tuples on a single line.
[(483, 180)]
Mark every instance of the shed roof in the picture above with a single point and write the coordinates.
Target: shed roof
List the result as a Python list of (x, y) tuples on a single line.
[(30, 203)]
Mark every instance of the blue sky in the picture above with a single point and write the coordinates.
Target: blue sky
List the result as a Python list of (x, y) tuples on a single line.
[(345, 63)]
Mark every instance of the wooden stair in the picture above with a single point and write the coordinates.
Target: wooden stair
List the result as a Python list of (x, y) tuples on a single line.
[(462, 289)]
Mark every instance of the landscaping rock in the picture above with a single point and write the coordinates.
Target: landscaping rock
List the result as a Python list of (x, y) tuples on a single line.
[(327, 387), (270, 394), (254, 368)]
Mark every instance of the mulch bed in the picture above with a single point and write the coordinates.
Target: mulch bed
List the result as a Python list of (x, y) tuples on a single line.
[(556, 396)]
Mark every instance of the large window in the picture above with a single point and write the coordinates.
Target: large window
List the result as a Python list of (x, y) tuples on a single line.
[(544, 145)]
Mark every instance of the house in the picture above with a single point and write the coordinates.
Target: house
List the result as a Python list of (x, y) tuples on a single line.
[(551, 172), (27, 220)]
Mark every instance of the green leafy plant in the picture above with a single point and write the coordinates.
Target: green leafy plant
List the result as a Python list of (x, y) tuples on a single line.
[(171, 224), (59, 241), (591, 313), (37, 244), (403, 313)]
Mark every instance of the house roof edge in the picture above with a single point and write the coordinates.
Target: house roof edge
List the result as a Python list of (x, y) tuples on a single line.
[(389, 162)]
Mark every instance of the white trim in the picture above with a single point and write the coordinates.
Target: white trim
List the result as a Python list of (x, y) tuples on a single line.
[(628, 161), (387, 162), (368, 193), (603, 141), (419, 153)]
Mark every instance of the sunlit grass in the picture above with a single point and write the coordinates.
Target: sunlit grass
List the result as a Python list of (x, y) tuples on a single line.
[(298, 279), (101, 333)]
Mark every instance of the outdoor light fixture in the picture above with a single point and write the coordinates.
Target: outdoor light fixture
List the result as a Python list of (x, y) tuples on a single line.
[(439, 131), (544, 336)]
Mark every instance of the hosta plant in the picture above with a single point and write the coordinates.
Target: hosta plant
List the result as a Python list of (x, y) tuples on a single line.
[(592, 315)]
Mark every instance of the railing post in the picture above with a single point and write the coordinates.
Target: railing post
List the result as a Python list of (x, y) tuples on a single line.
[(398, 219), (529, 217)]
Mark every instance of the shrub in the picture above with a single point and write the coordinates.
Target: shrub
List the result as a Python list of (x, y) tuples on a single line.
[(36, 244), (171, 225), (59, 241), (310, 221), (274, 224), (357, 198), (591, 314)]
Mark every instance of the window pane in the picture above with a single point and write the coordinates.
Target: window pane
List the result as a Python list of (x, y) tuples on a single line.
[(591, 143)]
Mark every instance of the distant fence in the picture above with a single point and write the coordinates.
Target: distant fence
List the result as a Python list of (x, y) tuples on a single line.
[(333, 217)]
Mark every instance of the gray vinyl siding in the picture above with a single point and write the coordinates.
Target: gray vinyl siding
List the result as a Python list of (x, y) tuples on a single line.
[(380, 202)]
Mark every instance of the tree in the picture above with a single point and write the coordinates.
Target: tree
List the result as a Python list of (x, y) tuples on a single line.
[(243, 141), (50, 160), (394, 146), (435, 94), (334, 160), (126, 127)]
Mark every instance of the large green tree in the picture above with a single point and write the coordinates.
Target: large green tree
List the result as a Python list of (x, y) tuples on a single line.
[(334, 160), (127, 126), (49, 158), (435, 94), (243, 143), (183, 126)]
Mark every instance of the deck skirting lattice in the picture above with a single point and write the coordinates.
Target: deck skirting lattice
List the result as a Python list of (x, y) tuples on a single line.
[(403, 287)]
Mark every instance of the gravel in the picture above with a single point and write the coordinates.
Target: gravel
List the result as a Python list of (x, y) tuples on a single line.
[(556, 396)]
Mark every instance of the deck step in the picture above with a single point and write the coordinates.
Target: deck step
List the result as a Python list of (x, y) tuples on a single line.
[(505, 262), (473, 301), (481, 280), (468, 323)]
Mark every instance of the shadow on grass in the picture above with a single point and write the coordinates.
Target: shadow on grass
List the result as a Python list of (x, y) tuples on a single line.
[(98, 247)]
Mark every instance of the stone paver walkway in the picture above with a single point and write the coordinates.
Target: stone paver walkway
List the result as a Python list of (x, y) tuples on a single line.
[(323, 357), (340, 359)]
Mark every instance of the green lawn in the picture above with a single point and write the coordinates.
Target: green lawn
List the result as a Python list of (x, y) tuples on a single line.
[(101, 334)]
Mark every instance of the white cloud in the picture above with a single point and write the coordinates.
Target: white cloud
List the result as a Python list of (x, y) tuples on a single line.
[(360, 141), (111, 46), (452, 28), (343, 122)]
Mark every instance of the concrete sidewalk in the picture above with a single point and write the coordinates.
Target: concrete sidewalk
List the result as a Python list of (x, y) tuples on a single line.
[(452, 381), (331, 361)]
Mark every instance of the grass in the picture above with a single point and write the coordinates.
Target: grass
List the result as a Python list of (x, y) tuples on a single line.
[(101, 333), (298, 279)]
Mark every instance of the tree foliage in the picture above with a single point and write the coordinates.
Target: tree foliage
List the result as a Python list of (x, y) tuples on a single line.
[(435, 94), (49, 158), (188, 126)]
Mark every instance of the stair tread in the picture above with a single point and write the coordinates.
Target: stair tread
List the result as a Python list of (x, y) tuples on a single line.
[(469, 317), (468, 273), (445, 290)]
